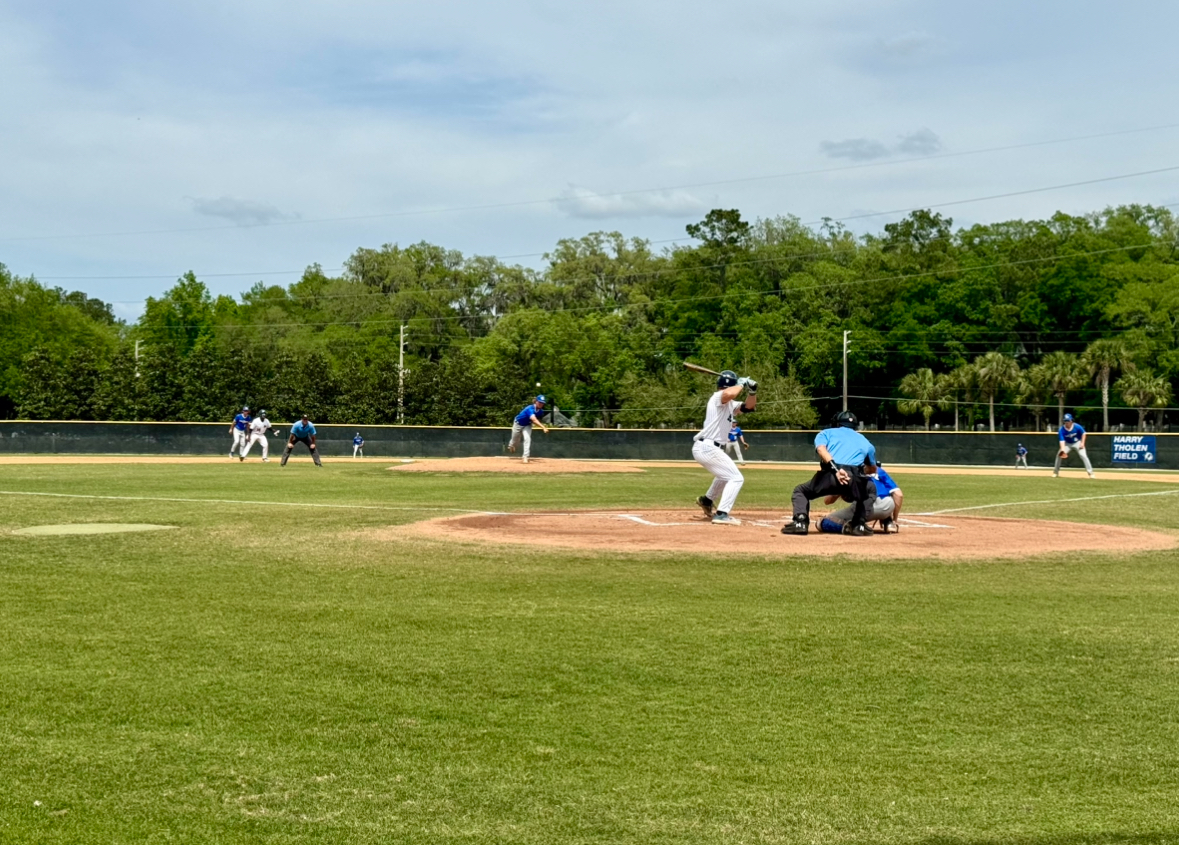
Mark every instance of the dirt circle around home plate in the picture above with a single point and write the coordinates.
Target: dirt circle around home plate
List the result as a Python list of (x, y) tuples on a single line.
[(948, 537), (76, 528)]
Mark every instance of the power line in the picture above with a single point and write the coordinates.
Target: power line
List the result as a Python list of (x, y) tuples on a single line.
[(549, 200)]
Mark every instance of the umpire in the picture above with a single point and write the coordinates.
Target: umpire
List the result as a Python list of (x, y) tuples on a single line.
[(843, 452)]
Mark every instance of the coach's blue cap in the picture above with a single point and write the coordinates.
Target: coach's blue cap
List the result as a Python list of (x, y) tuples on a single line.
[(541, 398), (1068, 417)]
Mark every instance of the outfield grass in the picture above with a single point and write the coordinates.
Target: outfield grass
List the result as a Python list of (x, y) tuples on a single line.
[(269, 673)]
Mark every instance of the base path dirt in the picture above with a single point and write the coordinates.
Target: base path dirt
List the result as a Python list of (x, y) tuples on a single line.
[(515, 465), (949, 538)]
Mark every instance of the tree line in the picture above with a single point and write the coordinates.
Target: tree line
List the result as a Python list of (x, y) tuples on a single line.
[(1002, 320)]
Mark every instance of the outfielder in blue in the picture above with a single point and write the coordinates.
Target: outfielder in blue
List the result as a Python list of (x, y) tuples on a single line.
[(357, 445), (1021, 456), (302, 432), (842, 453), (1072, 439)]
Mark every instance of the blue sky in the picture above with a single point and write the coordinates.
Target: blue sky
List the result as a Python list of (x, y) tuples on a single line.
[(244, 140)]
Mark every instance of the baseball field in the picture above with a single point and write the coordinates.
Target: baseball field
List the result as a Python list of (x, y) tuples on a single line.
[(303, 655)]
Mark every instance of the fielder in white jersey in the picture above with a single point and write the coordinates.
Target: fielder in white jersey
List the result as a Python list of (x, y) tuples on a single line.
[(258, 428), (709, 448)]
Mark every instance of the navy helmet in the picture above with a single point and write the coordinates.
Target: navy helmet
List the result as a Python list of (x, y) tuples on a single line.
[(541, 399), (846, 419), (1068, 417), (726, 378)]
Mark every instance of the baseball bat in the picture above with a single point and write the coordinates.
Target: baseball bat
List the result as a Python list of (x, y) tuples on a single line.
[(696, 368)]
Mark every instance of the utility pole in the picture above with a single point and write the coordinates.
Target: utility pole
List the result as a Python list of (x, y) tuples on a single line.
[(846, 346), (401, 378), (137, 357)]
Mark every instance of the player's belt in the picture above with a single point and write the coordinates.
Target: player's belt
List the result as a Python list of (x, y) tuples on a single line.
[(705, 440)]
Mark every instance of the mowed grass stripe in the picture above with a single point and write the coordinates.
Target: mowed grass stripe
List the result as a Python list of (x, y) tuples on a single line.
[(270, 674)]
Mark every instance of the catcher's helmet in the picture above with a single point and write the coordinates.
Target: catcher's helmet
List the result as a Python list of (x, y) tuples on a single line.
[(846, 419), (727, 378)]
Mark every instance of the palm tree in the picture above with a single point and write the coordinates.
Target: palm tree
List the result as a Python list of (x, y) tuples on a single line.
[(1062, 372), (1034, 391), (952, 384), (1101, 359), (922, 391), (993, 372), (1142, 390)]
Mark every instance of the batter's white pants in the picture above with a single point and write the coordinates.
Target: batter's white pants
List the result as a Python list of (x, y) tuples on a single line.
[(882, 508), (734, 449), (258, 438), (356, 450), (518, 432), (239, 442), (1074, 447), (727, 480)]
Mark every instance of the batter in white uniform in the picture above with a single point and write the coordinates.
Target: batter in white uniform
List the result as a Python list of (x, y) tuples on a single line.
[(709, 448), (258, 428)]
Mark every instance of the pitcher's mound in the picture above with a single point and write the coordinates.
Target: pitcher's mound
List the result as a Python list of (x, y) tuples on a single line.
[(505, 464), (945, 537)]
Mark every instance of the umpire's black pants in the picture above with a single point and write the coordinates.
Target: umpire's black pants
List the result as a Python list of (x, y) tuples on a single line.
[(860, 489)]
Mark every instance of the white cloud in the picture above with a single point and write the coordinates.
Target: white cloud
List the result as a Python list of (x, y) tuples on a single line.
[(241, 212), (855, 149), (581, 202)]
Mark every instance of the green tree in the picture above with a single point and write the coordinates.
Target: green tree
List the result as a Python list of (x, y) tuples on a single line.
[(1035, 391), (994, 372), (1102, 358), (1062, 372), (1143, 390), (922, 392)]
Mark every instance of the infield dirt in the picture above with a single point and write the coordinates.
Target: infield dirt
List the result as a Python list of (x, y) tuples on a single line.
[(951, 538)]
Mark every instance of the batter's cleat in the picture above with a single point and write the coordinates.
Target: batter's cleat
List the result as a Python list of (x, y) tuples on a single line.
[(860, 530), (723, 518), (525, 460), (888, 526), (705, 504), (241, 458), (1091, 475), (800, 526), (266, 460)]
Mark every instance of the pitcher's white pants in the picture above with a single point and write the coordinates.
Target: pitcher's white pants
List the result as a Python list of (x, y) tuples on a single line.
[(1074, 447), (727, 479), (239, 442), (257, 438), (521, 431)]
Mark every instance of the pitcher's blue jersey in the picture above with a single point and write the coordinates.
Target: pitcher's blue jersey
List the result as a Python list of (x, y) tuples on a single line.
[(525, 416), (1073, 436)]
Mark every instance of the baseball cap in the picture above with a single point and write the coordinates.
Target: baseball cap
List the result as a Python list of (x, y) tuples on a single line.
[(304, 417), (1068, 417), (245, 407), (541, 398)]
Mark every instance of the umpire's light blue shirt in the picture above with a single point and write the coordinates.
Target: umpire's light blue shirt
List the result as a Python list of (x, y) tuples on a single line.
[(300, 429), (846, 446)]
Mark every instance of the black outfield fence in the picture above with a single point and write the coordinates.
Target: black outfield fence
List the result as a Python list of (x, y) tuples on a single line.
[(902, 447)]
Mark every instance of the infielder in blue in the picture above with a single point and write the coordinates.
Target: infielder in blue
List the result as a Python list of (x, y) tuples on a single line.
[(736, 441), (522, 426), (357, 445), (1021, 456), (240, 431), (302, 432), (1072, 439), (842, 452)]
